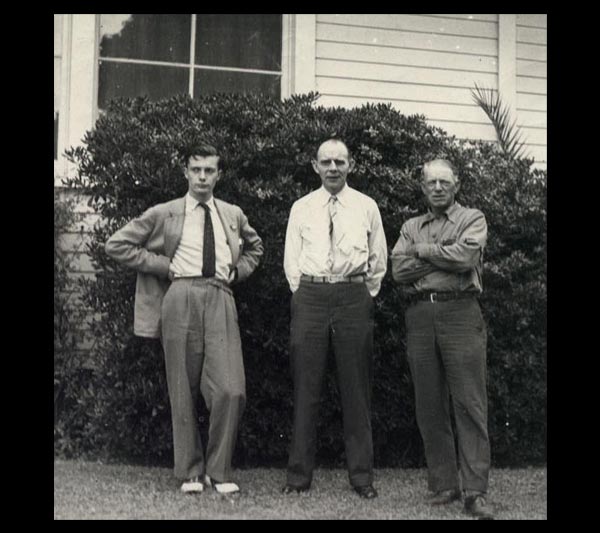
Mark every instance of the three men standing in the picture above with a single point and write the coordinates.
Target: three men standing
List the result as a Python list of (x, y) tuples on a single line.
[(335, 258), (189, 251)]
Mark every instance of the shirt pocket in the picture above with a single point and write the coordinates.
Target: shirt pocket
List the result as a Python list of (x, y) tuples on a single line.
[(355, 238)]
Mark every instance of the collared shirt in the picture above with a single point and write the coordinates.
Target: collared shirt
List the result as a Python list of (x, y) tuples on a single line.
[(450, 251), (360, 246), (187, 260)]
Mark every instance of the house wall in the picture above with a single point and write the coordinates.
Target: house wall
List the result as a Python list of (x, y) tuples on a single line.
[(425, 64), (428, 64), (532, 83), (73, 241)]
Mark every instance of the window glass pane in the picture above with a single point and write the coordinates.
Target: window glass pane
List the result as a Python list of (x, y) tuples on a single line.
[(129, 80), (213, 81), (58, 35), (57, 64), (152, 37), (243, 41)]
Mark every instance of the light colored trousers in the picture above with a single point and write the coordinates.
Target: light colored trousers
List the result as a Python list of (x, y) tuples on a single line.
[(203, 354)]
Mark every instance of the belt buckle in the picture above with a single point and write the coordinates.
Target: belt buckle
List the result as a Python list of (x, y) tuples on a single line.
[(333, 279), (433, 297)]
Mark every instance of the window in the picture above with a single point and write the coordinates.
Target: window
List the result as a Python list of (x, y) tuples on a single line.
[(58, 58), (162, 55)]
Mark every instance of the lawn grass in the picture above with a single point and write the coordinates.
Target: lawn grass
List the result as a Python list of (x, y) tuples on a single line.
[(88, 490)]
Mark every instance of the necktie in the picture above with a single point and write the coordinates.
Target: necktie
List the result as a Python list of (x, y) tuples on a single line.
[(332, 212), (208, 247)]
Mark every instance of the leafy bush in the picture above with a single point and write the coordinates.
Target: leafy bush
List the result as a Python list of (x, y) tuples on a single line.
[(71, 379), (130, 161)]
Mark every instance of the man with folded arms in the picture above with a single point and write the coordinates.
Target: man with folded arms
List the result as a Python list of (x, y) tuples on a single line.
[(438, 261), (188, 253), (335, 259)]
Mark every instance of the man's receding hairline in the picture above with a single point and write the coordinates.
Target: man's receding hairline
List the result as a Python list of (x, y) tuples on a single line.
[(442, 162), (337, 141)]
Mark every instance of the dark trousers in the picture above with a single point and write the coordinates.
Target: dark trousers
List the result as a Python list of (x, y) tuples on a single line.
[(203, 355), (339, 315), (447, 357)]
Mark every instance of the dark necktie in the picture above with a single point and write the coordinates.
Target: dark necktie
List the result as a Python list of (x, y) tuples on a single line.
[(208, 247)]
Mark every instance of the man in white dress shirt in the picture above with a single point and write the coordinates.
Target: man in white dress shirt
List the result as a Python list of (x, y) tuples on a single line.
[(335, 259)]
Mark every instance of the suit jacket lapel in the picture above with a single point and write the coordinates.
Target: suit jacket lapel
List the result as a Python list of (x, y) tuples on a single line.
[(231, 229), (174, 227)]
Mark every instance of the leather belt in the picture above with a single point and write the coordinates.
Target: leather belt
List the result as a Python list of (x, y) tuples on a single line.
[(360, 278), (442, 296), (199, 280)]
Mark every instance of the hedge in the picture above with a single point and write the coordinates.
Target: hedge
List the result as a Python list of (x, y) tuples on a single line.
[(131, 160)]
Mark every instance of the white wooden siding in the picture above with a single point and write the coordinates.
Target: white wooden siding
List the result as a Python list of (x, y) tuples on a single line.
[(415, 23), (532, 102), (534, 21), (405, 39), (422, 64), (74, 241), (388, 55), (427, 64), (532, 83), (462, 16)]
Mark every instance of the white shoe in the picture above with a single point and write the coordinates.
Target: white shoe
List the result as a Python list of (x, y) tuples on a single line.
[(222, 488), (190, 486)]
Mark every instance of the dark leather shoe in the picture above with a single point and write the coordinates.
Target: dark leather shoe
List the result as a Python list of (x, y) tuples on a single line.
[(443, 497), (291, 489), (477, 507), (366, 491)]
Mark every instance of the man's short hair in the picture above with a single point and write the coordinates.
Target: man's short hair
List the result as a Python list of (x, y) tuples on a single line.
[(445, 162), (333, 139), (200, 150)]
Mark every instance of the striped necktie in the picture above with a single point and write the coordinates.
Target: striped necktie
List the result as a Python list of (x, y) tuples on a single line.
[(332, 212), (208, 246)]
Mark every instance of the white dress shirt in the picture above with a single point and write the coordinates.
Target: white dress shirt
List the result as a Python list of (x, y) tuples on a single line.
[(187, 260), (360, 246)]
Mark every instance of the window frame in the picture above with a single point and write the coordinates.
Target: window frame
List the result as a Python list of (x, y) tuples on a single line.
[(192, 67), (64, 89), (80, 70)]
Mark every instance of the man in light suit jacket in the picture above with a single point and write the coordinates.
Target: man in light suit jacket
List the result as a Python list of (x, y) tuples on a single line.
[(187, 254)]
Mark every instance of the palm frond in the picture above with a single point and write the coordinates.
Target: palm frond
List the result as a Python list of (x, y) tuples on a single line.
[(510, 136)]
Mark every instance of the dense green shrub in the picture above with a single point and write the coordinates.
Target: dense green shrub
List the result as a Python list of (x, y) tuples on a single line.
[(130, 161), (71, 379)]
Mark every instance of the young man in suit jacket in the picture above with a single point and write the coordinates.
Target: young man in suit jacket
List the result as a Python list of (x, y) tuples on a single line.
[(187, 254)]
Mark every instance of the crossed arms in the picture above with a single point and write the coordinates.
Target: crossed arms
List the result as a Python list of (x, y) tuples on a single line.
[(413, 259)]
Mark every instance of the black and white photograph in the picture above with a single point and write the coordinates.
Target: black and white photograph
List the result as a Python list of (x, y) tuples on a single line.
[(300, 266)]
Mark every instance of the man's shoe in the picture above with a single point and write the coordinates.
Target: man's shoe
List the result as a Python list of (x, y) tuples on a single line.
[(221, 488), (191, 486), (443, 497), (291, 489), (477, 507), (366, 491)]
